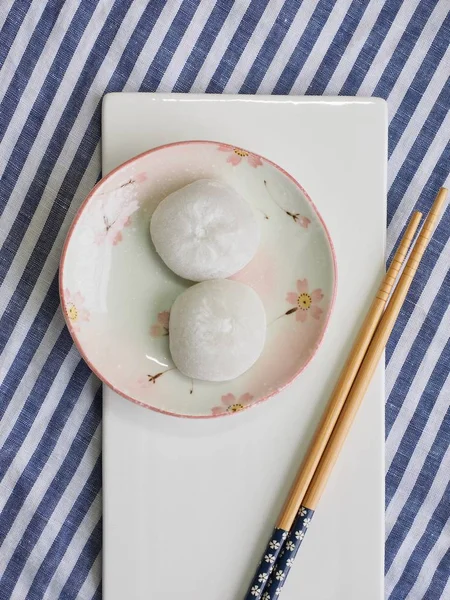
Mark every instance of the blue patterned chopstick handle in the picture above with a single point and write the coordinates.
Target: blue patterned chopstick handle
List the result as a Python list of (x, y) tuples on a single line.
[(286, 557), (266, 565)]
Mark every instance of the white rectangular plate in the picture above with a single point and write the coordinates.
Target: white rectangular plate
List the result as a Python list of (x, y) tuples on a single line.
[(189, 505)]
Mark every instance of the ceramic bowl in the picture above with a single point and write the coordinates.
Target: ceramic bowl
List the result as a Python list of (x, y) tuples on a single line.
[(116, 293)]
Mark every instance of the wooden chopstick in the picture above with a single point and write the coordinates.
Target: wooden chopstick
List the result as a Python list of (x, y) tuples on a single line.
[(345, 380), (339, 394), (351, 405), (293, 509), (372, 357)]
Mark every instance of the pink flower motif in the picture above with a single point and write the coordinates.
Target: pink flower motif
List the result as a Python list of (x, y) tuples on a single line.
[(117, 237), (143, 382), (236, 155), (112, 231), (116, 209), (305, 302), (304, 222), (231, 405), (140, 177), (161, 327), (74, 309)]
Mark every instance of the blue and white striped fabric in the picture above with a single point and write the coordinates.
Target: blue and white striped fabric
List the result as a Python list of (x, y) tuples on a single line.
[(57, 59)]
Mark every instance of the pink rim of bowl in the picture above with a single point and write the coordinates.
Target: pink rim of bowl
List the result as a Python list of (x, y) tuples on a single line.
[(123, 166)]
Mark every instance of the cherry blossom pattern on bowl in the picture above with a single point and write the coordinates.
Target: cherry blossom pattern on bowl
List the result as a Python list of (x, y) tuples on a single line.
[(75, 312), (161, 326), (116, 293), (230, 404)]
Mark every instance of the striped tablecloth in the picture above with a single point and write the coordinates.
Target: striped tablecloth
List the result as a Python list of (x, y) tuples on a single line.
[(57, 59)]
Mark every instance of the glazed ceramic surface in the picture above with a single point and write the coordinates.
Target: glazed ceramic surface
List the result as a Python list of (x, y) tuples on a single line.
[(117, 293)]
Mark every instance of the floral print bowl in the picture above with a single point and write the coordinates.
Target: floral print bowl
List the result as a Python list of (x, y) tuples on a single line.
[(116, 293)]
